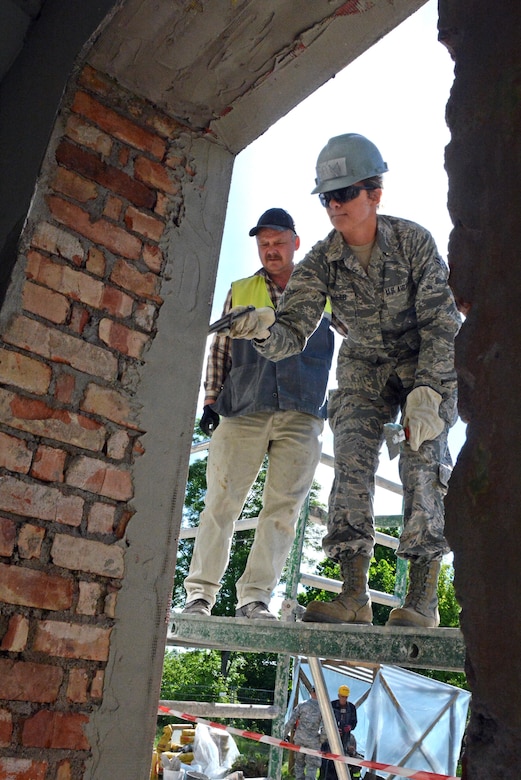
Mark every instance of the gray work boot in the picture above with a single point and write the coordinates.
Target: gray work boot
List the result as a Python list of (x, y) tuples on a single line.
[(197, 607), (420, 608), (353, 605), (255, 610)]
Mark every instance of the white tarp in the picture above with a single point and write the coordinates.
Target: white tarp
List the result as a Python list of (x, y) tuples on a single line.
[(404, 718)]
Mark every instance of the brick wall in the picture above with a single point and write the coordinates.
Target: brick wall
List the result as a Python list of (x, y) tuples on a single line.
[(82, 312)]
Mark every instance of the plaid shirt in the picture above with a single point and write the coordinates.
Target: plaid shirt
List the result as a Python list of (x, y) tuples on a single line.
[(220, 358)]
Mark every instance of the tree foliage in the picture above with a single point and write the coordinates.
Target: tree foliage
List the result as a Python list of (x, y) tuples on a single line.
[(197, 676)]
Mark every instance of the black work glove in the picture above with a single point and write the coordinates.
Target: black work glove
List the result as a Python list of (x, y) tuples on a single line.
[(209, 421)]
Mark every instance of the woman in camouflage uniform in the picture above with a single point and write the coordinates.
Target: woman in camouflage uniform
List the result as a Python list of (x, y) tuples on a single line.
[(391, 301)]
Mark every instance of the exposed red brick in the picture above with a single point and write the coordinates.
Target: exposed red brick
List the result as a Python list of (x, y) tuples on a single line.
[(145, 285), (105, 402), (87, 555), (15, 638), (22, 769), (144, 224), (53, 239), (87, 135), (144, 315), (77, 685), (14, 454), (64, 388), (154, 174), (100, 477), (163, 205), (153, 257), (24, 372), (118, 126), (41, 502), (94, 81), (33, 588), (72, 640), (96, 689), (27, 681), (30, 540), (175, 160), (100, 231), (165, 125), (45, 303), (6, 730), (48, 464), (80, 318), (74, 186), (121, 526), (37, 417), (138, 448), (7, 536), (117, 445), (76, 285), (89, 595), (125, 340), (116, 302), (57, 730), (64, 771), (110, 604), (96, 262), (61, 347), (124, 156), (113, 179), (113, 208), (101, 518)]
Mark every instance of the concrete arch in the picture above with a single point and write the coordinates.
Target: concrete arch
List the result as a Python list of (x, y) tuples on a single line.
[(102, 339)]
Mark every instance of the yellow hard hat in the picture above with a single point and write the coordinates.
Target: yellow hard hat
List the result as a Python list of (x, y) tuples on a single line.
[(344, 690)]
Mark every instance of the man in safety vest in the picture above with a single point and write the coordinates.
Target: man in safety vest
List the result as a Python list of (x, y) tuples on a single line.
[(255, 407)]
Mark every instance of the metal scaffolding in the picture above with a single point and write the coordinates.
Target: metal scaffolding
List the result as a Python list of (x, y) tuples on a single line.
[(369, 646)]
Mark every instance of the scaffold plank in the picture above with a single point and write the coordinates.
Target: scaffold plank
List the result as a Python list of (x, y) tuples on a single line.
[(429, 648)]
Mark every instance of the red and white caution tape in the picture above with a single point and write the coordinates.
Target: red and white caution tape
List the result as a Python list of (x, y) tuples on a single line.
[(395, 770)]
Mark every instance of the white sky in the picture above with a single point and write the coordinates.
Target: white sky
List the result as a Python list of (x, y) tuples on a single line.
[(395, 94)]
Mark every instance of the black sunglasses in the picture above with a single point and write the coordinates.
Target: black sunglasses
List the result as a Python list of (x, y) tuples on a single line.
[(342, 195)]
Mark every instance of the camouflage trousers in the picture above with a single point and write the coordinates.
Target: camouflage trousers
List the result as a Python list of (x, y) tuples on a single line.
[(306, 766), (357, 424)]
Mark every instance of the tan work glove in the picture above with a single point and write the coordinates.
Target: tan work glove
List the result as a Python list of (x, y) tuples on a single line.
[(421, 416), (253, 325)]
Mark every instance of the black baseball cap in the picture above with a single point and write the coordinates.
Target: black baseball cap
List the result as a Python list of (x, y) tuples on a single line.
[(278, 219)]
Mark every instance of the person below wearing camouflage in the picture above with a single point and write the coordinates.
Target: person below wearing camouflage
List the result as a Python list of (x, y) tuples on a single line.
[(391, 301), (308, 733)]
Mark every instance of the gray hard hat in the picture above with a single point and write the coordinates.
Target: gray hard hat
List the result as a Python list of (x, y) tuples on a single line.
[(346, 159)]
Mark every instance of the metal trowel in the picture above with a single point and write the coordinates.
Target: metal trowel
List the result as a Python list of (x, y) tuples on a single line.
[(395, 434)]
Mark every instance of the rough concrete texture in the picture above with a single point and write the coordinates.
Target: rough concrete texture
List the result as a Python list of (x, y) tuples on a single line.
[(234, 68), (482, 520)]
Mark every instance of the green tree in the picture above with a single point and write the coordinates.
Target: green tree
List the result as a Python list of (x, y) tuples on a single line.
[(196, 675)]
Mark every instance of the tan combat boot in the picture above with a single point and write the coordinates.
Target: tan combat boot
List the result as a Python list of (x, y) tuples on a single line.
[(420, 608), (353, 605)]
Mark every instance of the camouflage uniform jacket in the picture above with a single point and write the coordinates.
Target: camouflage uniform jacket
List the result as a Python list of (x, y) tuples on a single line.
[(399, 316), (309, 724)]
